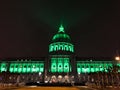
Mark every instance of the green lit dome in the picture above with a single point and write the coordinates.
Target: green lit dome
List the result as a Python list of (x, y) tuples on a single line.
[(61, 36), (61, 42)]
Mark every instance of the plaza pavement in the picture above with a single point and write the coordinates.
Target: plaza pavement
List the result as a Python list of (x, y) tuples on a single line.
[(56, 88), (39, 88)]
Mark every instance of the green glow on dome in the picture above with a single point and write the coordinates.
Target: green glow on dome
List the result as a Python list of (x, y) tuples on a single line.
[(61, 36), (61, 29)]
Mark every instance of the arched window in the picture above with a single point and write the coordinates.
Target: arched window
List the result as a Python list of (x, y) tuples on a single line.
[(66, 47), (51, 48), (60, 47), (56, 47), (70, 49)]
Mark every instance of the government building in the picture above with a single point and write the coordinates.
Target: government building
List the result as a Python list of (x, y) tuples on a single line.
[(61, 65)]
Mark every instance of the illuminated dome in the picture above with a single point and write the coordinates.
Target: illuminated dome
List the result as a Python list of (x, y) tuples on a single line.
[(61, 36), (61, 42)]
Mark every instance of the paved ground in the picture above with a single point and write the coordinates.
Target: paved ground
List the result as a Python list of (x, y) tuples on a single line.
[(47, 88), (55, 88)]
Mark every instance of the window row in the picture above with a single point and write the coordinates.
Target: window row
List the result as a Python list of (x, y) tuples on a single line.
[(60, 60), (88, 70), (63, 47), (60, 67)]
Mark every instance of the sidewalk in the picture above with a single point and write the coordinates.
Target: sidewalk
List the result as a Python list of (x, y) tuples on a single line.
[(8, 88), (107, 88)]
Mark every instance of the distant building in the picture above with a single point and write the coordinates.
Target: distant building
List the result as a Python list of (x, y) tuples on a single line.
[(60, 66)]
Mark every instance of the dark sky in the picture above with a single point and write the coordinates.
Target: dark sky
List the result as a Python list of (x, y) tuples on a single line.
[(26, 28)]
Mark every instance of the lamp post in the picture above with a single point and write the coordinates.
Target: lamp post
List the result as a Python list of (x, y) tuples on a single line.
[(117, 58), (117, 55), (117, 61)]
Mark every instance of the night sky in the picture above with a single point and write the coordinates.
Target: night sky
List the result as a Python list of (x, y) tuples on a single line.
[(26, 28)]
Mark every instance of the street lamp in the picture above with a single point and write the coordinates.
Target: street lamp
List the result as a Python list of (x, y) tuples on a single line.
[(117, 58)]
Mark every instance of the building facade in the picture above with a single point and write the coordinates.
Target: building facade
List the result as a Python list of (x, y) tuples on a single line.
[(60, 66)]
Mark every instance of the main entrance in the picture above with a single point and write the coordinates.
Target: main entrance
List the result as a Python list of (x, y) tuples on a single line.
[(59, 79)]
